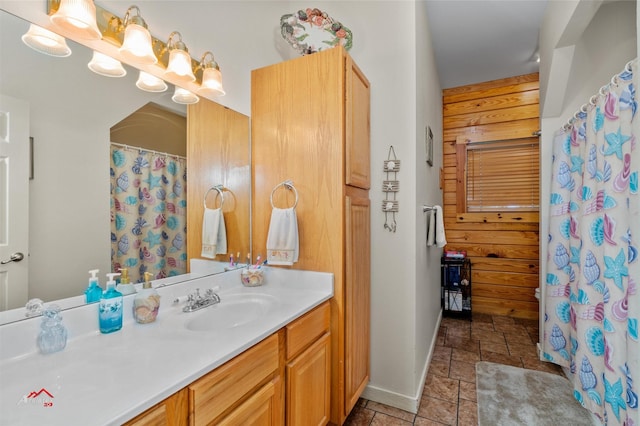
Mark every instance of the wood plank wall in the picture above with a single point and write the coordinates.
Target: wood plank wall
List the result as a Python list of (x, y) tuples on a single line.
[(504, 256)]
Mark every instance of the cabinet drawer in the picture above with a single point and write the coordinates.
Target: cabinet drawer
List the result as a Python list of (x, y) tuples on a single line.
[(306, 329), (213, 394), (170, 412), (259, 409)]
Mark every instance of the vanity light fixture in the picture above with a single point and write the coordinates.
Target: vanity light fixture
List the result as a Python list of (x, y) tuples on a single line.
[(211, 76), (137, 45), (78, 17), (183, 96), (179, 60), (150, 83), (45, 41), (106, 65)]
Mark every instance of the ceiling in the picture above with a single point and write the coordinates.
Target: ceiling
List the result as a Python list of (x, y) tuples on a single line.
[(482, 40)]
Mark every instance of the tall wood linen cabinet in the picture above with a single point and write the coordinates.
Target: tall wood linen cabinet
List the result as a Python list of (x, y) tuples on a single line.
[(310, 124)]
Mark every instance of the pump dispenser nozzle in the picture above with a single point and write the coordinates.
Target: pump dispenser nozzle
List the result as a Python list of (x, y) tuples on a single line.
[(93, 293), (125, 287), (111, 277), (147, 280), (125, 276)]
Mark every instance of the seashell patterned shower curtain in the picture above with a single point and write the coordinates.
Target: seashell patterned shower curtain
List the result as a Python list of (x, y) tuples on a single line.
[(592, 297), (148, 213)]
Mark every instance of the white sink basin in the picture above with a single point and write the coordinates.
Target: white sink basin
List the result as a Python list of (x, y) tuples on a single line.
[(233, 311)]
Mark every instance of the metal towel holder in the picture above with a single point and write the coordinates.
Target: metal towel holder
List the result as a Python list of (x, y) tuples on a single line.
[(288, 184), (218, 188)]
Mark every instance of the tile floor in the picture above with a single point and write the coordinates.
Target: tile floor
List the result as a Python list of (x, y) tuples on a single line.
[(449, 395)]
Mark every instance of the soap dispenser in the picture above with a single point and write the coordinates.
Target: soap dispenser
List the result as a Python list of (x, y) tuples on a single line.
[(110, 307), (53, 334), (146, 303), (93, 293), (125, 287)]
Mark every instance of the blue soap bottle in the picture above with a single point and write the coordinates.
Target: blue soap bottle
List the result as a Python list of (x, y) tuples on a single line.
[(110, 307), (53, 334), (93, 293)]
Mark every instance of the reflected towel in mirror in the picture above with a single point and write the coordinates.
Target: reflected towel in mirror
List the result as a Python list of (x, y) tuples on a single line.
[(214, 233), (431, 228), (282, 241), (441, 239)]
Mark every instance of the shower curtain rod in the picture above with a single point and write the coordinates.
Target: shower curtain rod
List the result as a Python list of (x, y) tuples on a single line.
[(166, 154), (602, 92)]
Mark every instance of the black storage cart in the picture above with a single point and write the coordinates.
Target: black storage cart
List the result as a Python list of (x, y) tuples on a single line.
[(455, 288)]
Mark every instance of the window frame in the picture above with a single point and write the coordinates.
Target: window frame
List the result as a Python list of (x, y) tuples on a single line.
[(463, 142)]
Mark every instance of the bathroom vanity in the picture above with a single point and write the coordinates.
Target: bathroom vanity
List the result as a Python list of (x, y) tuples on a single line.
[(261, 353)]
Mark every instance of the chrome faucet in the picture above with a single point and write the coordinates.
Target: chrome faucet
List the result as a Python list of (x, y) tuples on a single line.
[(195, 301)]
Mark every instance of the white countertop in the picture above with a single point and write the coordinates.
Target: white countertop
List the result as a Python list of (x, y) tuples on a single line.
[(104, 379)]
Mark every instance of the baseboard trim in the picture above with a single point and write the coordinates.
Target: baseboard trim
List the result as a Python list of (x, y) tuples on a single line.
[(404, 402), (387, 397)]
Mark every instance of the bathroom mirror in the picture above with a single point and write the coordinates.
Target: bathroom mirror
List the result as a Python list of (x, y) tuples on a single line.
[(71, 113)]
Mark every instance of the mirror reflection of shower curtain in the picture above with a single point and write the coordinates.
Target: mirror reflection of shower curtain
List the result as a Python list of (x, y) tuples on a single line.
[(148, 213)]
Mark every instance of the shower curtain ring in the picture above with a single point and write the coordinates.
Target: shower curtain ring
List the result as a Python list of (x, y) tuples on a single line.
[(627, 67), (614, 81)]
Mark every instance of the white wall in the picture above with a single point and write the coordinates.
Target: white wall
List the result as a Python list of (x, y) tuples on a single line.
[(596, 40), (391, 46), (428, 113)]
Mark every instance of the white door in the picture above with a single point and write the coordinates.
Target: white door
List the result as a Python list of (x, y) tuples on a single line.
[(14, 202)]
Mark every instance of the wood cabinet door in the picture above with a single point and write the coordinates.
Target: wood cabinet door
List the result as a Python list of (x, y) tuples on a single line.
[(357, 120), (309, 385), (173, 411), (261, 409), (218, 154), (357, 296)]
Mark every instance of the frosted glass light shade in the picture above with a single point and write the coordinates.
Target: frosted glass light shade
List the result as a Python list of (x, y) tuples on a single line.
[(180, 66), (211, 83), (137, 45), (183, 96), (150, 83), (44, 41), (106, 65), (78, 17)]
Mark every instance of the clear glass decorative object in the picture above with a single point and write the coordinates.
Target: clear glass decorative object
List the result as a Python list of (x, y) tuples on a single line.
[(53, 334)]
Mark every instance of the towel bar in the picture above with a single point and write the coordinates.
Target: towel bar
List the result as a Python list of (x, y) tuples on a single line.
[(426, 208)]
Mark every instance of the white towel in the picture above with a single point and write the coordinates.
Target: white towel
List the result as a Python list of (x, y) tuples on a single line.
[(282, 241), (441, 240), (431, 228), (214, 233)]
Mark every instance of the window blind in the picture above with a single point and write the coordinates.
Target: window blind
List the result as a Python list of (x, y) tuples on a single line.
[(503, 176)]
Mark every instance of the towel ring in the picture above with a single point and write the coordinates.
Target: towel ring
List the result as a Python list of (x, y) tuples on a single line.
[(289, 185), (218, 188)]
